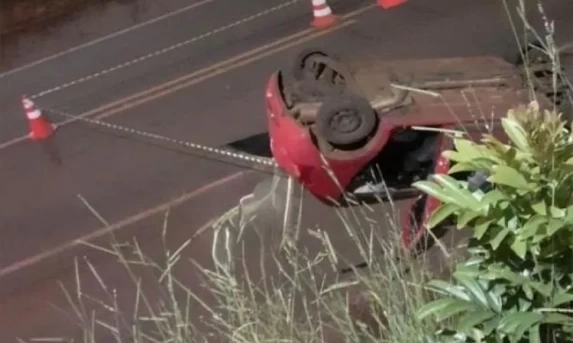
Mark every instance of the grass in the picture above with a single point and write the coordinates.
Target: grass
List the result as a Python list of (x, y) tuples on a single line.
[(292, 294), (290, 300)]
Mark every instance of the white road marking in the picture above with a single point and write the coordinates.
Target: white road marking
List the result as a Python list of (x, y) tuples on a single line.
[(117, 226), (104, 38), (164, 50)]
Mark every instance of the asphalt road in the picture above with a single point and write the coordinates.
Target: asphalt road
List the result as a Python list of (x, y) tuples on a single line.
[(210, 102)]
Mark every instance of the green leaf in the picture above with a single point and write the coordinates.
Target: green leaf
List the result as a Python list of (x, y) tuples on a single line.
[(515, 133), (455, 307), (493, 197), (534, 335), (519, 322), (468, 270), (557, 318), (519, 247), (485, 163), (505, 175), (540, 208), (491, 325), (528, 290), (569, 216), (501, 271), (435, 307), (524, 304), (475, 334), (522, 328), (481, 227), (466, 217), (542, 288), (554, 226), (560, 299), (460, 195), (557, 212), (474, 288), (452, 290), (467, 149), (461, 167), (532, 226), (499, 237), (434, 190), (454, 156), (441, 213), (495, 301), (472, 319)]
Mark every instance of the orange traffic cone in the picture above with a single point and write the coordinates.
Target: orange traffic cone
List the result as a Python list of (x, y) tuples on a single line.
[(40, 127), (323, 16), (386, 4)]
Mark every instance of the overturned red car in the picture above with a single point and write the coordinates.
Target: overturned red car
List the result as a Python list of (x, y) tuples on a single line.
[(348, 129)]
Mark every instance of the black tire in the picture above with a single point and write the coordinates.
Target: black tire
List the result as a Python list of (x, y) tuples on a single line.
[(345, 120), (302, 60), (323, 70)]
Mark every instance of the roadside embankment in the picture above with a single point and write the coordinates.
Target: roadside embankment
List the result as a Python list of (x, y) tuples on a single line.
[(18, 15)]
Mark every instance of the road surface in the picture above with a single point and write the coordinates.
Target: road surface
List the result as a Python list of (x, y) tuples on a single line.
[(208, 89)]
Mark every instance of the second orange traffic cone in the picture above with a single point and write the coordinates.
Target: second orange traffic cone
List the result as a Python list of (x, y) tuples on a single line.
[(40, 127), (386, 4), (323, 16)]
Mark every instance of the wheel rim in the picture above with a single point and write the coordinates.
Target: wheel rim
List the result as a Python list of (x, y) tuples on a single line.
[(316, 67), (345, 121)]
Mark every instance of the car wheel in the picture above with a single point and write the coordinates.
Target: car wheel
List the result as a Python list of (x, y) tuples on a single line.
[(345, 120), (318, 67)]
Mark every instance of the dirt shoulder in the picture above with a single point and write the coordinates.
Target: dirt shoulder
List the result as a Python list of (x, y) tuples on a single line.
[(19, 15)]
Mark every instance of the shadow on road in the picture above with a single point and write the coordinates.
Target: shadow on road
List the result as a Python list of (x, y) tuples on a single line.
[(258, 144)]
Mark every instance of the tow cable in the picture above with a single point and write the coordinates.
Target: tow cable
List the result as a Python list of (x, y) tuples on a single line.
[(225, 155)]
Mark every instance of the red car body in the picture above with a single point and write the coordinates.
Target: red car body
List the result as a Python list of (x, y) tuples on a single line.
[(296, 151), (468, 93)]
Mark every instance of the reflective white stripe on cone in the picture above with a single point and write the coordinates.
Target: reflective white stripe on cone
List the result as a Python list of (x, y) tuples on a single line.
[(323, 16), (40, 127)]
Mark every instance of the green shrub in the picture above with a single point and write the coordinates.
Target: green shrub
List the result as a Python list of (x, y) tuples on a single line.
[(516, 285)]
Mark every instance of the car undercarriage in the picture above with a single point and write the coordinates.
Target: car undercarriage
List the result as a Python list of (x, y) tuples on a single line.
[(318, 87)]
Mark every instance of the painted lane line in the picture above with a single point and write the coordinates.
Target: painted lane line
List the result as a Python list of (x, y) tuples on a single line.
[(220, 71), (195, 74), (134, 219), (120, 105), (17, 140), (163, 207), (23, 138), (129, 220), (164, 50), (107, 37)]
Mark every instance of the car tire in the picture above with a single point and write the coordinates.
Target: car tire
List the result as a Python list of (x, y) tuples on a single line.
[(345, 120), (302, 58), (329, 75)]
